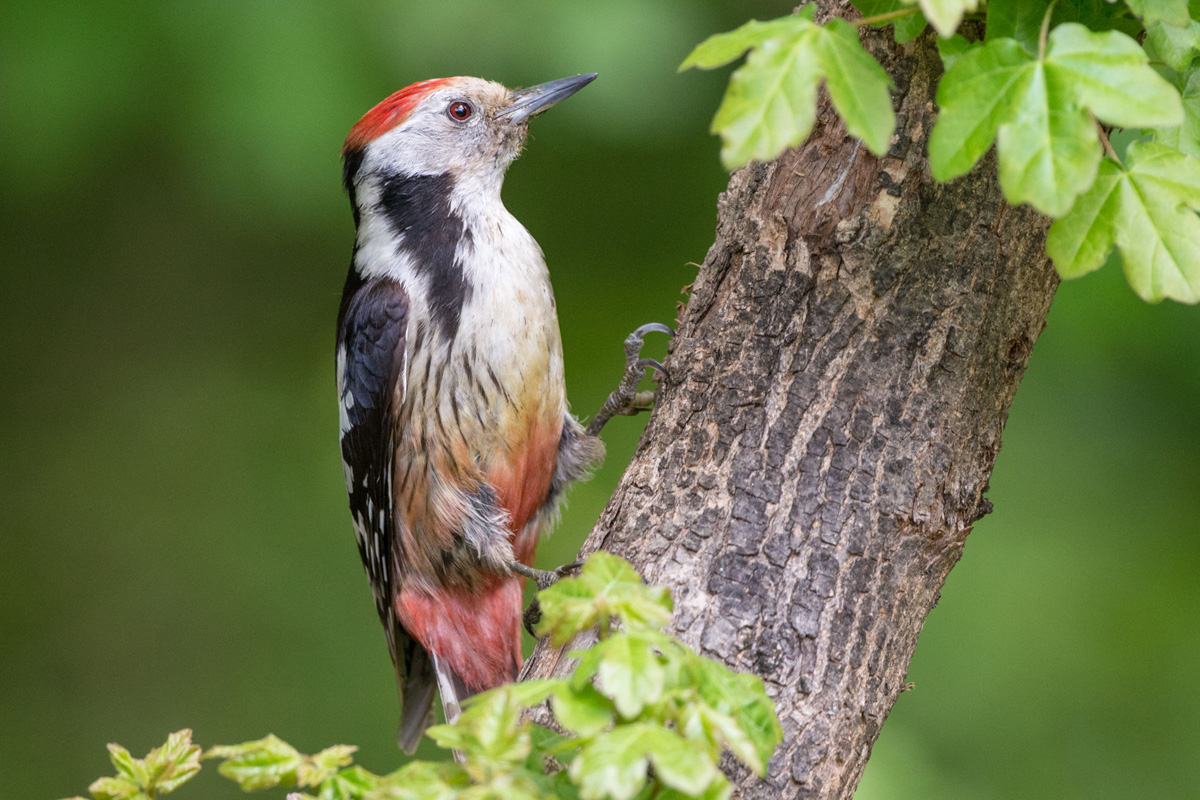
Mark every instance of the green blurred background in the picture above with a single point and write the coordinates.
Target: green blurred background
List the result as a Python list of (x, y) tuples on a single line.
[(176, 546)]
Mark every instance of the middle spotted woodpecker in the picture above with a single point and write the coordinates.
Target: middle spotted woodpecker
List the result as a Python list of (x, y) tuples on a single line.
[(457, 442)]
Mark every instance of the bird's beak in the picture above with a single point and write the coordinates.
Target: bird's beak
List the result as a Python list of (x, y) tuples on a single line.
[(530, 102)]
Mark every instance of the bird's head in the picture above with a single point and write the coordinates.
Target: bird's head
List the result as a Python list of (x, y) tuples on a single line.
[(470, 128)]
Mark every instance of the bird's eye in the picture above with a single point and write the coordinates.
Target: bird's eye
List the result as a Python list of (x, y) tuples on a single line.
[(460, 111)]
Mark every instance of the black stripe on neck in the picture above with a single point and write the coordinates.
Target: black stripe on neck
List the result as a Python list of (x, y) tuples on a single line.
[(351, 163), (418, 209)]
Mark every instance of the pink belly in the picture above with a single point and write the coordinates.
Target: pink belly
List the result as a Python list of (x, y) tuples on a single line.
[(478, 632)]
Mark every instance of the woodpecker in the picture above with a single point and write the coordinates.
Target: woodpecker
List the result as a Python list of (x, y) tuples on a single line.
[(457, 441)]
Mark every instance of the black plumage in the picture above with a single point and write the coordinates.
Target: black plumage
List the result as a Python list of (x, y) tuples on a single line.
[(371, 340)]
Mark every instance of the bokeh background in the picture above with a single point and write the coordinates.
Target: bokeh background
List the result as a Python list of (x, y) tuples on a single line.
[(176, 549)]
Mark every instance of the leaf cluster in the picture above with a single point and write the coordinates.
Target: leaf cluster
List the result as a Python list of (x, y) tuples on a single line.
[(641, 716), (161, 771), (1048, 85), (771, 103)]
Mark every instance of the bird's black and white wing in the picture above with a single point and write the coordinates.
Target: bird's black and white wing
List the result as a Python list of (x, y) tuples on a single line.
[(370, 368)]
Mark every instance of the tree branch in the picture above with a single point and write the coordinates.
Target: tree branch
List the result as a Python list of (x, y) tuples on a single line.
[(842, 374)]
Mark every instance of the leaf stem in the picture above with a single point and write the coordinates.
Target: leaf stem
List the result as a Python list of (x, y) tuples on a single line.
[(605, 628), (1108, 148), (890, 15), (1044, 34)]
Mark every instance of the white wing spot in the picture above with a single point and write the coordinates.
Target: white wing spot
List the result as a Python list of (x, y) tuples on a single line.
[(345, 399)]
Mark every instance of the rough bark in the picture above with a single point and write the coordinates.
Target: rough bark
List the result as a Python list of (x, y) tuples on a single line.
[(843, 371)]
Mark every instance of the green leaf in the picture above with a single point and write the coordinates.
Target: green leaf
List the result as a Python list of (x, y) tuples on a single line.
[(744, 698), (1016, 19), (161, 771), (721, 48), (259, 764), (1186, 136), (587, 667), (423, 780), (561, 787), (568, 608), (1109, 73), (953, 49), (349, 784), (945, 15), (982, 90), (128, 767), (1165, 169), (630, 673), (1157, 234), (1098, 15), (909, 27), (1173, 12), (174, 763), (1147, 209), (490, 731), (524, 694), (679, 766), (857, 85), (614, 764), (1081, 241), (770, 104), (609, 573), (702, 722), (874, 8), (1049, 149), (334, 758), (719, 789), (325, 765), (906, 27), (1174, 45), (607, 586), (498, 729), (547, 741), (583, 711), (115, 789)]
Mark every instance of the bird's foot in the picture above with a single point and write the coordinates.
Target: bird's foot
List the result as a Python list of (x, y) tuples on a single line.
[(627, 400), (544, 580)]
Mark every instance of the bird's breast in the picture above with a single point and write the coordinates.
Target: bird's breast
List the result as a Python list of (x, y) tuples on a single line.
[(488, 405)]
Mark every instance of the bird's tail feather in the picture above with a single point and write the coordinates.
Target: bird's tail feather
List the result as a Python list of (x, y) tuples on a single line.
[(416, 699), (451, 687)]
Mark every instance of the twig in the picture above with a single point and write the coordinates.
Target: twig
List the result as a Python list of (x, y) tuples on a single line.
[(890, 15), (1108, 148), (1044, 34)]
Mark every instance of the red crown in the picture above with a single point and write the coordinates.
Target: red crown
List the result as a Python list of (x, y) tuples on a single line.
[(389, 113)]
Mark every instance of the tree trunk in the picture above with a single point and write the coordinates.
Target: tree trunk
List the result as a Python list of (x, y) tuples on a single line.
[(843, 371)]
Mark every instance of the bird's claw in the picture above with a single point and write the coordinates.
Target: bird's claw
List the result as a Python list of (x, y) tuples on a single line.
[(627, 400), (649, 363), (544, 578), (655, 327), (567, 569)]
